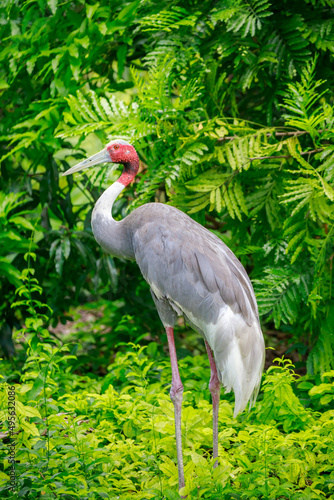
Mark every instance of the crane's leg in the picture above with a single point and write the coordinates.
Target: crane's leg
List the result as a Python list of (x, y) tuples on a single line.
[(176, 393), (214, 387)]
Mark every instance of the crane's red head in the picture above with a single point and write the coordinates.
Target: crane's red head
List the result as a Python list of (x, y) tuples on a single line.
[(117, 151), (122, 152)]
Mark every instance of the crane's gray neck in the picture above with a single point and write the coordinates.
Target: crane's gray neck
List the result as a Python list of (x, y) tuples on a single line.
[(110, 234)]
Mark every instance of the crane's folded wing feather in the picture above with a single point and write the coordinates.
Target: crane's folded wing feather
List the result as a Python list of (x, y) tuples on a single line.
[(188, 264)]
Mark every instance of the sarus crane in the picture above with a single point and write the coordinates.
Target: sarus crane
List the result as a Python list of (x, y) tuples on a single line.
[(193, 274)]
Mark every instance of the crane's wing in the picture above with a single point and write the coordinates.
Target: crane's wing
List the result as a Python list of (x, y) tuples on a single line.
[(197, 275), (187, 264)]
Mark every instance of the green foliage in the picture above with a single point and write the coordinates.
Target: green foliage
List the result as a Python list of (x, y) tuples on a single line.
[(281, 292), (13, 227), (114, 436), (279, 401), (247, 18), (325, 391)]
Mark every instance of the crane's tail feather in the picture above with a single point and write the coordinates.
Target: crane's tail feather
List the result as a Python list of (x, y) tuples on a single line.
[(239, 353)]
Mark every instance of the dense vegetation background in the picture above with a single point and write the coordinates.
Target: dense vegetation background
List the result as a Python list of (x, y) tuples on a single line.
[(230, 107)]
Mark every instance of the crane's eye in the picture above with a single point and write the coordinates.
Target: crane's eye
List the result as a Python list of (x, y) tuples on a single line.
[(116, 146)]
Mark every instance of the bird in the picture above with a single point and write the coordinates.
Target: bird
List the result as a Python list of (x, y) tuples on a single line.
[(191, 273)]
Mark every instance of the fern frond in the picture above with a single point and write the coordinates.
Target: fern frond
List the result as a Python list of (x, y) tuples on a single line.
[(281, 293), (301, 101), (90, 113), (290, 47), (321, 33), (168, 20), (249, 17)]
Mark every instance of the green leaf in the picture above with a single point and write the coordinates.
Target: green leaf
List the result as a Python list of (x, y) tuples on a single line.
[(21, 221), (36, 388)]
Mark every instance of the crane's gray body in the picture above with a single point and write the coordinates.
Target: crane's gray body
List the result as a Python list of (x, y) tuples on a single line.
[(192, 273)]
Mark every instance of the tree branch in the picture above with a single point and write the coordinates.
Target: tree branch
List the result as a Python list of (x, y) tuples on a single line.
[(269, 134), (286, 156)]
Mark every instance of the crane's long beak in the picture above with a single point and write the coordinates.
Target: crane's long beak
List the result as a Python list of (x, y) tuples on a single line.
[(101, 157)]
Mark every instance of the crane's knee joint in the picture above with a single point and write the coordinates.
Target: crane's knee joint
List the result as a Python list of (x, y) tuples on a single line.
[(176, 393), (215, 387), (214, 384)]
